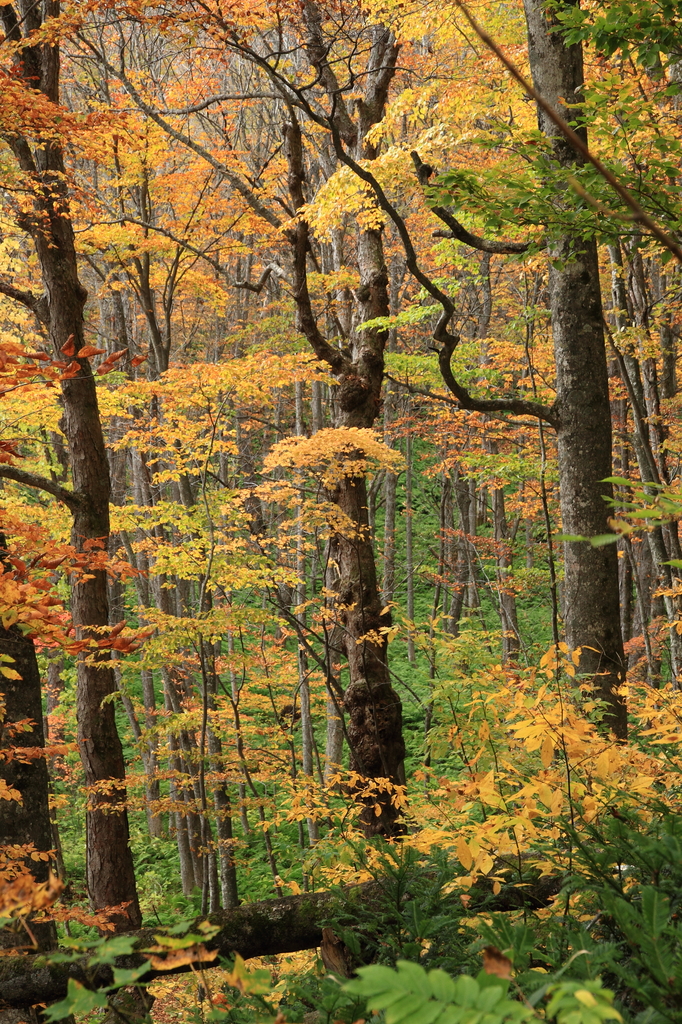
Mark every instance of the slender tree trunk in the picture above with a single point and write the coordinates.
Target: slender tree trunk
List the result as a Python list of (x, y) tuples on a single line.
[(409, 545), (511, 643), (390, 487), (307, 738)]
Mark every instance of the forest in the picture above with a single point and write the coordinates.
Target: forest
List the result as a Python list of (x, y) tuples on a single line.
[(340, 567)]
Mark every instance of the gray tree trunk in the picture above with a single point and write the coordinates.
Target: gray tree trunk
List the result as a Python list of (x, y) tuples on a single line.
[(591, 617)]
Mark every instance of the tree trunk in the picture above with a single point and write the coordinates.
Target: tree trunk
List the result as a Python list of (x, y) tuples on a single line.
[(265, 928), (592, 620), (110, 875), (374, 710), (25, 821)]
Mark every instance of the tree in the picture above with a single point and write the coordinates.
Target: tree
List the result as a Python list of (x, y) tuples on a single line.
[(36, 66), (590, 599), (25, 817)]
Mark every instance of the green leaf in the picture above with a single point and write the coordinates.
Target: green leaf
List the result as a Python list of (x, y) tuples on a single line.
[(78, 1000), (619, 481), (442, 986), (602, 539), (372, 980), (466, 990), (183, 943), (404, 1007), (426, 1013), (106, 953), (655, 910), (123, 976), (415, 976), (489, 997)]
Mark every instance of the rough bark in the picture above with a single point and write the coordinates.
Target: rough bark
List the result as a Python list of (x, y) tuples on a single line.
[(374, 711), (592, 621)]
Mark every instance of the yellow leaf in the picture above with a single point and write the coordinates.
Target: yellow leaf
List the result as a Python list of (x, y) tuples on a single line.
[(464, 854), (545, 794), (602, 767), (485, 863), (181, 957)]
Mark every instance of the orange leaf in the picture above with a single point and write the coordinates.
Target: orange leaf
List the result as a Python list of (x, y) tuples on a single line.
[(495, 962), (137, 360), (90, 350), (116, 355), (68, 348)]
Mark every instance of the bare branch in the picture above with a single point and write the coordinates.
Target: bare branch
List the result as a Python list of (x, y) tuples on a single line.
[(300, 243), (201, 253), (318, 54), (457, 230), (38, 306), (226, 172), (517, 406), (272, 270), (41, 483)]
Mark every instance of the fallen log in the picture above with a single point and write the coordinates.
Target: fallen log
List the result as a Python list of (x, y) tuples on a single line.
[(263, 928)]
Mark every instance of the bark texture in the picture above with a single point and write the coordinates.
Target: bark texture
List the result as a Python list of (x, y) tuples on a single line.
[(374, 730), (111, 880), (591, 600)]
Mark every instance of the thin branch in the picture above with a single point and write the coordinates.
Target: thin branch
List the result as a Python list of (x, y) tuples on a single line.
[(222, 169), (300, 243), (224, 97), (201, 253), (518, 406), (424, 392), (449, 341), (41, 483)]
